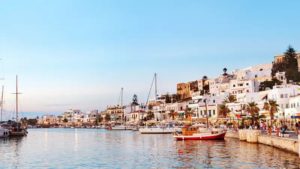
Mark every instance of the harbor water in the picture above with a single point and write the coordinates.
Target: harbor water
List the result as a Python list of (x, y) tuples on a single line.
[(98, 148)]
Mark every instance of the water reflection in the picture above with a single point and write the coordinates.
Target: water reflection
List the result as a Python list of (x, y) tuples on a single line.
[(83, 148)]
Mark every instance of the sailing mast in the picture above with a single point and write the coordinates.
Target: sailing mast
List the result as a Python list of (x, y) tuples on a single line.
[(17, 99), (155, 77), (2, 100), (122, 108), (206, 112), (154, 81)]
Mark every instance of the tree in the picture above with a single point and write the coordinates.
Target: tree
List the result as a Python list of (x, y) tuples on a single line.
[(172, 114), (32, 122), (272, 107), (150, 115), (107, 117), (289, 66), (168, 99), (223, 110), (269, 84), (65, 120), (253, 110), (188, 113), (230, 99)]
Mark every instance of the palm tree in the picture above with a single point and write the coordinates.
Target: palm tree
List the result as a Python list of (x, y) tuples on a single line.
[(188, 113), (230, 99), (253, 110), (172, 114), (272, 107), (223, 110)]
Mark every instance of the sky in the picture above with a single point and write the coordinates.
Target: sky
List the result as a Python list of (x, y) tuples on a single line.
[(78, 54)]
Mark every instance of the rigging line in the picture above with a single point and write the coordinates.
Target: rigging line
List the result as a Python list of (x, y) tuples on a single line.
[(150, 91)]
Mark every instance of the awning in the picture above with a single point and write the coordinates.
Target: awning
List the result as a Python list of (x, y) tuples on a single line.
[(295, 117)]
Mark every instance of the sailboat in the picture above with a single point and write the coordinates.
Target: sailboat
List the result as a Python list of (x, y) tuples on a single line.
[(16, 129), (190, 132), (3, 131), (168, 128), (120, 126)]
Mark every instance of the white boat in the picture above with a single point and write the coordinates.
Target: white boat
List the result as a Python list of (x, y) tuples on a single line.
[(119, 127), (4, 132), (159, 130)]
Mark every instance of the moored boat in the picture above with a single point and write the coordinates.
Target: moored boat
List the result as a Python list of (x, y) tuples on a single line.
[(4, 132), (193, 133), (119, 127), (168, 129)]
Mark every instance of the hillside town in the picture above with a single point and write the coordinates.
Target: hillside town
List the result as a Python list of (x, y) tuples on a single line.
[(267, 92)]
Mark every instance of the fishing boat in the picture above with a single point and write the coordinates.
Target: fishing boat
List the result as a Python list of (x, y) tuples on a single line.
[(4, 132), (190, 132), (193, 133)]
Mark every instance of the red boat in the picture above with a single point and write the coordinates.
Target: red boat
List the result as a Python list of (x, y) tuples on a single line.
[(192, 133)]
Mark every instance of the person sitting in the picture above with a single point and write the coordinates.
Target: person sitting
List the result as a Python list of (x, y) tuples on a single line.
[(283, 129)]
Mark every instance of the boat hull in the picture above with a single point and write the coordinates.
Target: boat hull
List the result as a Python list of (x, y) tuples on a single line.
[(219, 136)]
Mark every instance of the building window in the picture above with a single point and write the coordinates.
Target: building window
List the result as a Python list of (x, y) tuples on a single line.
[(287, 106), (247, 84), (209, 113), (233, 85), (214, 112)]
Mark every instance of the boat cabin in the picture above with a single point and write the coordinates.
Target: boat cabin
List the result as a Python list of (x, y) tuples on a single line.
[(189, 130)]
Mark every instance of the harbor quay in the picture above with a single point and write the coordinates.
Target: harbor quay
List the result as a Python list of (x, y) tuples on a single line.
[(290, 144)]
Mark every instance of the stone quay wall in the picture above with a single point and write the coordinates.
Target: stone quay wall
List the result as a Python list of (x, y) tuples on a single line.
[(254, 136)]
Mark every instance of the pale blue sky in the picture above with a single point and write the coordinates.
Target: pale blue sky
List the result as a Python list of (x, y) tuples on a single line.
[(78, 54)]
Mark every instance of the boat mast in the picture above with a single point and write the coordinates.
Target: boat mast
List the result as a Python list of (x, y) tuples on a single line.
[(17, 99), (122, 108), (2, 101), (206, 112), (122, 96), (155, 77), (154, 82)]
